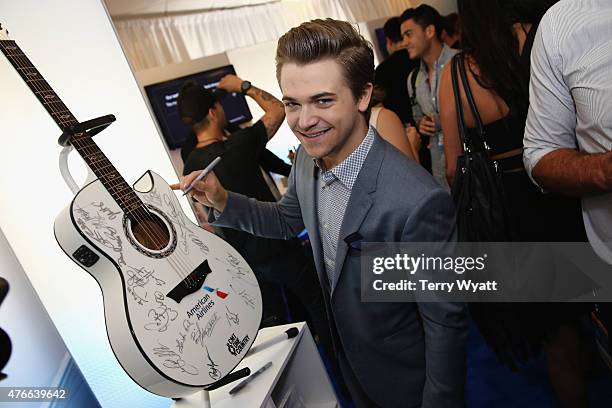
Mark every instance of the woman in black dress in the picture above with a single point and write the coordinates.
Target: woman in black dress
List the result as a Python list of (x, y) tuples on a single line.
[(496, 38)]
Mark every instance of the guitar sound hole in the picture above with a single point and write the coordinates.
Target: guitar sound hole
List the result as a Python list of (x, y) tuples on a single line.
[(151, 232)]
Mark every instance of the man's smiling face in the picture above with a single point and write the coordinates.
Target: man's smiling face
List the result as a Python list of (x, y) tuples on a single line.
[(322, 111)]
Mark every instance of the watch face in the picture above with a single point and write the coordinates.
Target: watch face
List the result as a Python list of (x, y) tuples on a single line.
[(245, 86)]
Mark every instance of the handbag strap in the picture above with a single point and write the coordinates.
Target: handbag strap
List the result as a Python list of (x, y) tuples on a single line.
[(470, 98), (459, 65), (465, 140)]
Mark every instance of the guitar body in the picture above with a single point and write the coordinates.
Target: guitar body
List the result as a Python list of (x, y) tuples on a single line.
[(182, 310)]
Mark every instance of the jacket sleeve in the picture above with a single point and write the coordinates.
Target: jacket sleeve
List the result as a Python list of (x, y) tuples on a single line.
[(274, 164), (444, 323), (282, 220)]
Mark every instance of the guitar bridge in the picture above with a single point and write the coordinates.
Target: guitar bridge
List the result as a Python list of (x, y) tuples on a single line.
[(192, 283)]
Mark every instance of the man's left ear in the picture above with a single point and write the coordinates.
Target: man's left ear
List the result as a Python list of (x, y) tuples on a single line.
[(366, 96), (430, 31)]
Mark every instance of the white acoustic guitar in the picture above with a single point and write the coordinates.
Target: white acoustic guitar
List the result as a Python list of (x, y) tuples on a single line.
[(182, 307)]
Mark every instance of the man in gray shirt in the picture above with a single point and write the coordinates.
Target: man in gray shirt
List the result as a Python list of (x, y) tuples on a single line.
[(568, 137), (421, 32)]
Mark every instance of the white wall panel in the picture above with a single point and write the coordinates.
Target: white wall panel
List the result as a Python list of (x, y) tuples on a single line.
[(73, 44)]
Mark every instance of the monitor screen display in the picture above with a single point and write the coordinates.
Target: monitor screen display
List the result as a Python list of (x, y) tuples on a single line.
[(163, 98), (382, 42)]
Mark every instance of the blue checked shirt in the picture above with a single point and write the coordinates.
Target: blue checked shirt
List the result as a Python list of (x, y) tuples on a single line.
[(332, 197)]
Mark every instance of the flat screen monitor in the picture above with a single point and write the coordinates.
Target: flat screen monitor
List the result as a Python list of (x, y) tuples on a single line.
[(382, 42), (163, 98)]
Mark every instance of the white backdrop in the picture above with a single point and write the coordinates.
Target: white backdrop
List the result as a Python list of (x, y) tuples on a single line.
[(73, 44), (152, 41)]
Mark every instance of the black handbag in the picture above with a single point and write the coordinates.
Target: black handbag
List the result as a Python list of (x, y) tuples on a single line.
[(478, 192)]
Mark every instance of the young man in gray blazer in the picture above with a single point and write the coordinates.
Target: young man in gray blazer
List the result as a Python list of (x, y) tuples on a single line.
[(347, 182)]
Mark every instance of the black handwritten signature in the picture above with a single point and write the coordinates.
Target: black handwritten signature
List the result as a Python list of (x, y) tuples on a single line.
[(111, 215), (232, 317), (161, 315), (198, 242), (210, 326), (248, 299), (180, 342), (155, 198), (97, 230), (138, 278), (173, 360), (214, 372)]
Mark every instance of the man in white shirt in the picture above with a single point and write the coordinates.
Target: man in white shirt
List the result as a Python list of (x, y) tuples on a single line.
[(568, 137)]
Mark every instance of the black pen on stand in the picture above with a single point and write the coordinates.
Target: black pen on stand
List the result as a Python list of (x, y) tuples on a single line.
[(287, 334), (250, 378)]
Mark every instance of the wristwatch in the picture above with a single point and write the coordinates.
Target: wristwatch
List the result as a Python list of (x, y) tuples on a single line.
[(244, 87)]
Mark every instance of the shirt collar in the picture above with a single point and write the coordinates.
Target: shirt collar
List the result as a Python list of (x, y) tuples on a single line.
[(348, 170), (445, 55)]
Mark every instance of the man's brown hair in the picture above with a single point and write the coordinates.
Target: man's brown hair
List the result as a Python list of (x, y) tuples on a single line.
[(317, 40)]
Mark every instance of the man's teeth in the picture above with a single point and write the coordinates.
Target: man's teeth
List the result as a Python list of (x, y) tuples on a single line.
[(316, 134)]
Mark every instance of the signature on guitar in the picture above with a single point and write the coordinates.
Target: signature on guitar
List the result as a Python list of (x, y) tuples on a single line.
[(174, 361), (138, 278), (214, 372), (162, 315), (231, 317), (96, 229), (247, 299)]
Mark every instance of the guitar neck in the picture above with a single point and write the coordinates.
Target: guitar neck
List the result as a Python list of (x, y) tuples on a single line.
[(39, 86), (82, 142)]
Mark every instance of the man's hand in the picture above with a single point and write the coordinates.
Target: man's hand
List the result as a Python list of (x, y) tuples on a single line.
[(427, 126), (274, 110), (231, 83), (208, 191)]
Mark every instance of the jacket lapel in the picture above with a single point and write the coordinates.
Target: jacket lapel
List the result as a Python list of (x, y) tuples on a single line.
[(359, 203), (311, 220)]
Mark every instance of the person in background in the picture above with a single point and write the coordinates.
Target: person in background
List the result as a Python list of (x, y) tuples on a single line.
[(421, 28), (390, 128), (391, 74), (451, 31), (275, 262), (348, 185), (568, 137), (390, 78), (269, 161), (496, 39)]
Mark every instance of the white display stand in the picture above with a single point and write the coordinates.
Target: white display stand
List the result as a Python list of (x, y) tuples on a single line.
[(297, 373)]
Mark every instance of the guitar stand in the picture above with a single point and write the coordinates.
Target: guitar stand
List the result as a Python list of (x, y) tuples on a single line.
[(231, 377), (91, 127)]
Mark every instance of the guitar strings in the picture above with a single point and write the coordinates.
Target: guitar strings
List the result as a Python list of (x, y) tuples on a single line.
[(140, 213), (87, 145), (22, 62)]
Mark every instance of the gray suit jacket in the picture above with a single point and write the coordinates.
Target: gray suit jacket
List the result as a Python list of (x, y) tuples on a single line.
[(403, 354)]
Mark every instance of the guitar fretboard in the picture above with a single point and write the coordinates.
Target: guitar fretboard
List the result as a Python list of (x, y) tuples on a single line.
[(115, 184)]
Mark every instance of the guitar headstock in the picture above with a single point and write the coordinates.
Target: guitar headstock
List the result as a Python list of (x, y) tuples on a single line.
[(4, 34)]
